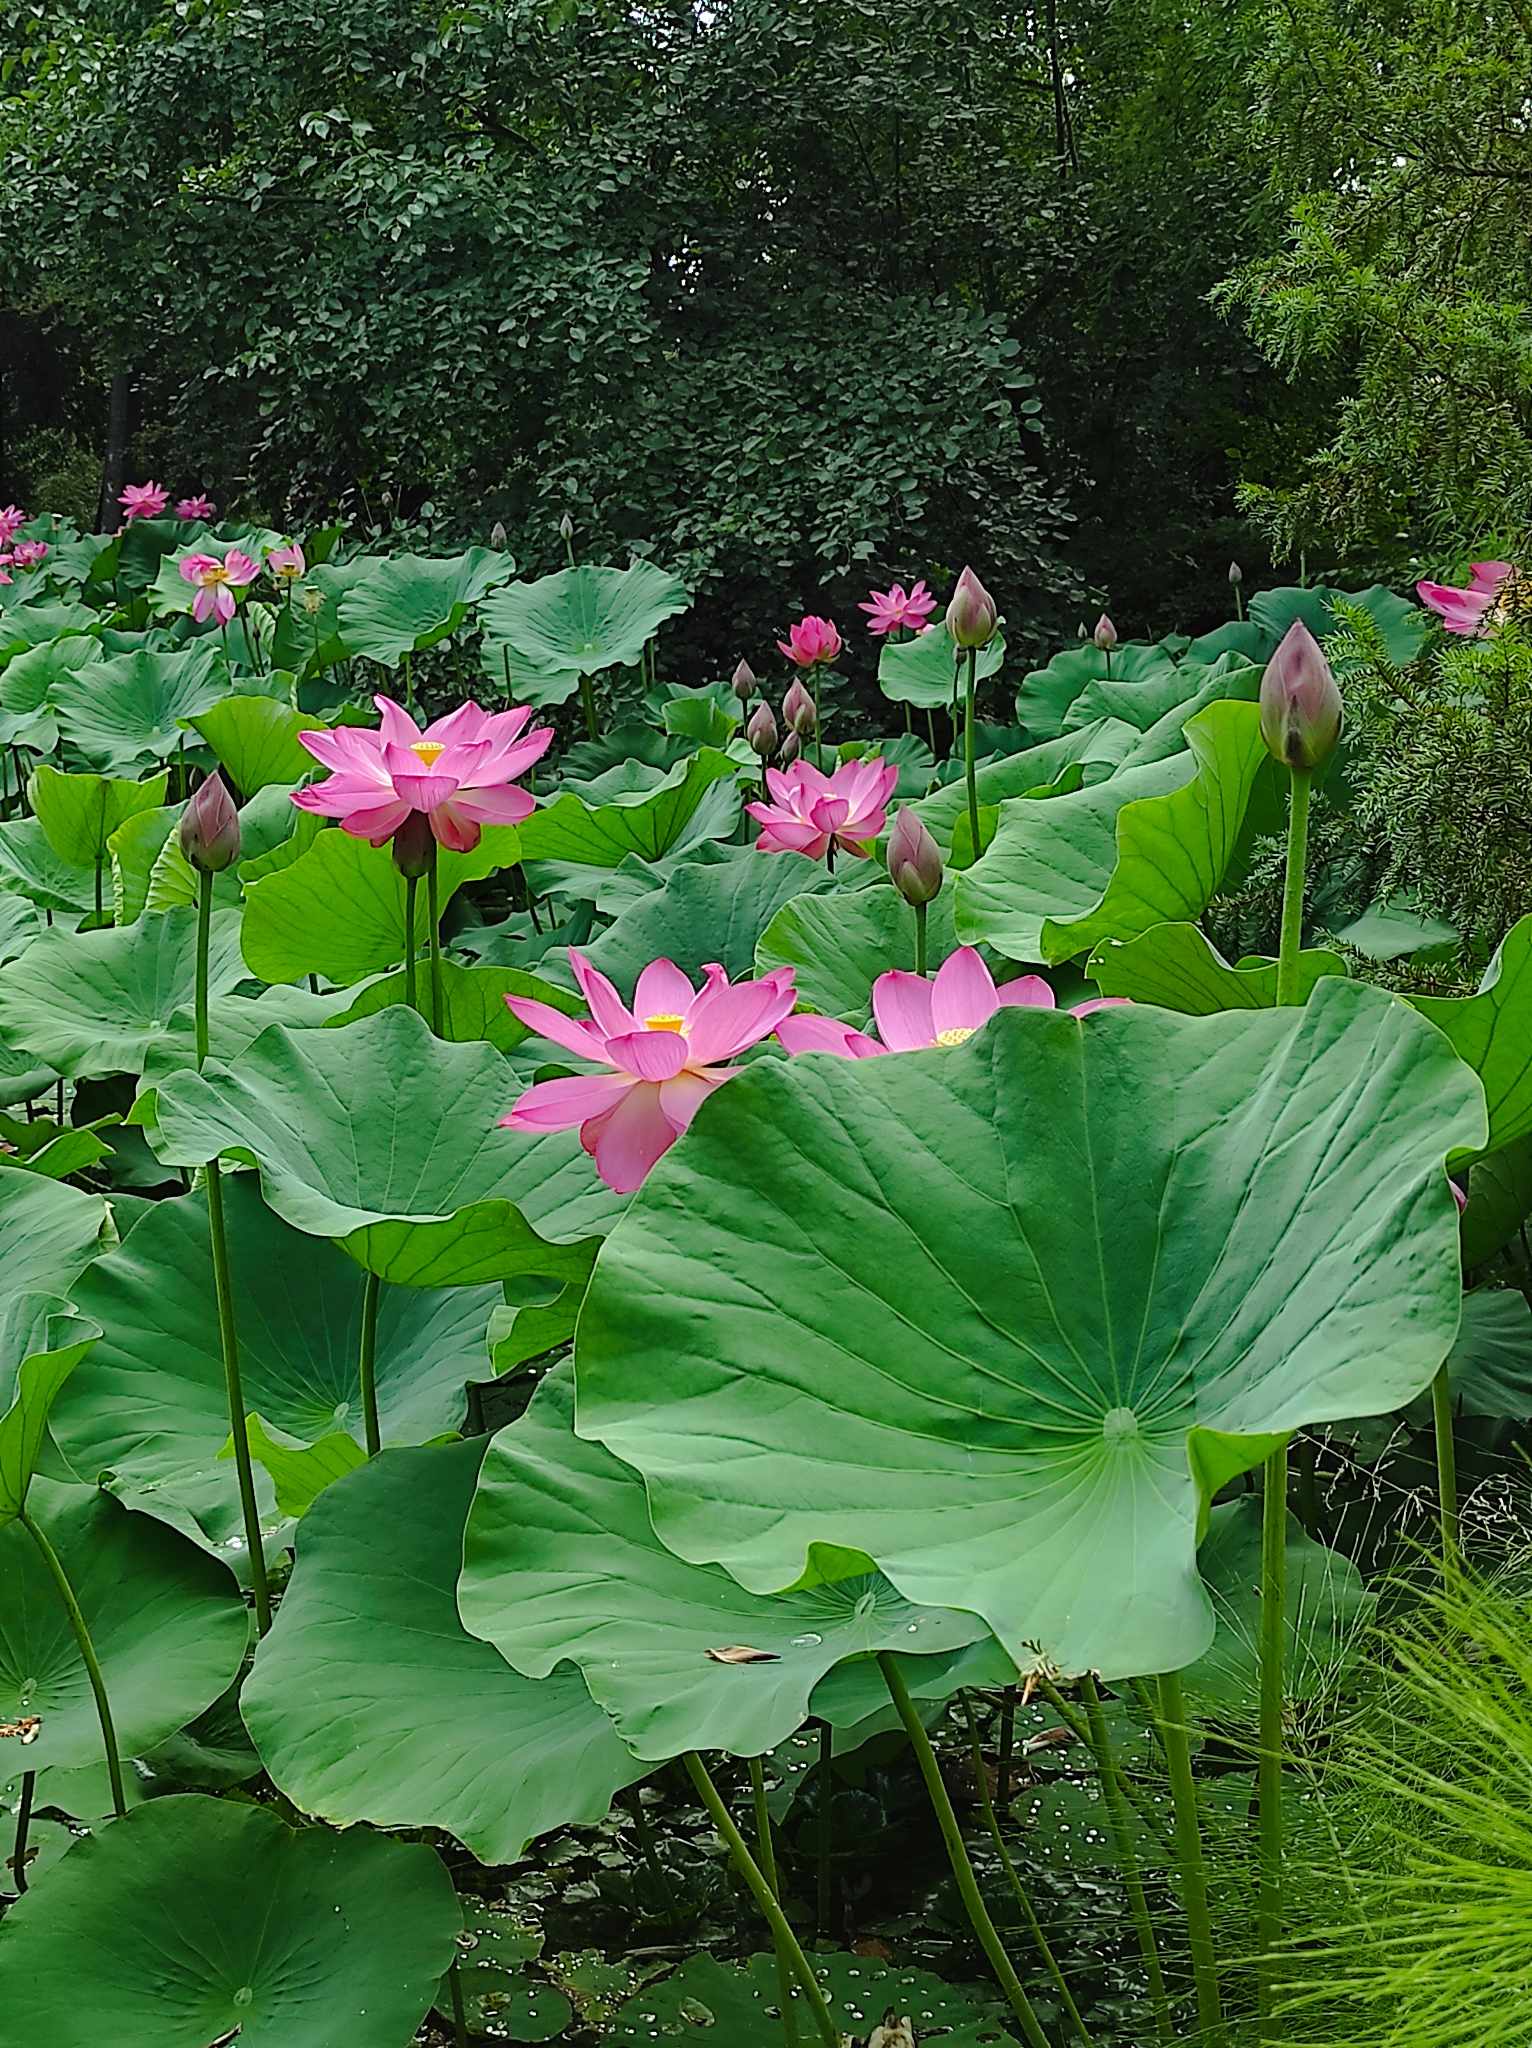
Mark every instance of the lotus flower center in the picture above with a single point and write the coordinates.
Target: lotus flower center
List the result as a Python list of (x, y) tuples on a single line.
[(956, 1034), (663, 1020), (216, 574), (428, 751)]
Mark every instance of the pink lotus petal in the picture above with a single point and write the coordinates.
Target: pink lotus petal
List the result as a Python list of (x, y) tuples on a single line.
[(1028, 992), (572, 1033), (902, 1005), (1460, 611), (570, 1100), (397, 724), (632, 1137), (423, 792), (348, 750), (681, 1098), (725, 1020), (1488, 576), (504, 806), (650, 1055), (662, 991), (377, 824), (453, 828), (826, 1034), (1101, 1003), (962, 996), (601, 999)]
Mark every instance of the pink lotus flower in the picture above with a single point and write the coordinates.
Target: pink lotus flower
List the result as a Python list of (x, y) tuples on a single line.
[(27, 554), (143, 501), (12, 520), (216, 582), (814, 811), (889, 609), (913, 1013), (458, 773), (286, 561), (195, 508), (1479, 608), (812, 643), (662, 1059)]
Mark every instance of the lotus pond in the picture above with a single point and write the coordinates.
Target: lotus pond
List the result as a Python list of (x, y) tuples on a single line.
[(829, 1358)]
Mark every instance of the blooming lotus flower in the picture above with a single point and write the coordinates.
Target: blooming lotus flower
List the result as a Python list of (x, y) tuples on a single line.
[(143, 501), (459, 773), (286, 561), (195, 508), (661, 1059), (1479, 608), (812, 643), (27, 554), (889, 609), (913, 1013), (812, 811), (216, 582), (12, 520)]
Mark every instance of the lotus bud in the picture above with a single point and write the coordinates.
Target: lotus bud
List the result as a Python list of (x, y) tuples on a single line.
[(971, 616), (566, 528), (761, 732), (792, 747), (1300, 703), (209, 828), (743, 682), (499, 539), (313, 601), (414, 846), (914, 859), (1236, 574), (798, 709), (1105, 635)]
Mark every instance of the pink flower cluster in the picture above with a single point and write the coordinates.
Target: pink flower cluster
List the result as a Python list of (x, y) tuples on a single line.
[(913, 1013), (148, 501)]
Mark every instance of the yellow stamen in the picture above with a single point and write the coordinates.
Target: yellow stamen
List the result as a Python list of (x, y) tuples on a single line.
[(429, 750), (957, 1034), (217, 574), (663, 1020)]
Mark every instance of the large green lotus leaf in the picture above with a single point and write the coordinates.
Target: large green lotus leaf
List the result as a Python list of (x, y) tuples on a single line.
[(27, 684), (1490, 1366), (92, 1003), (1326, 1613), (410, 602), (737, 2005), (27, 625), (130, 711), (1499, 1201), (197, 1920), (42, 1340), (523, 680), (256, 741), (370, 1701), (79, 813), (583, 619), (381, 1137), (234, 1022), (1396, 928), (1047, 695), (1149, 846), (1492, 1032), (20, 923), (1140, 700), (587, 760), (650, 824), (473, 1001), (838, 945), (337, 909), (1404, 625), (147, 1412), (922, 671), (169, 1624), (1003, 1318), (1177, 967), (1230, 678), (1034, 769), (560, 1561), (29, 865), (49, 1232), (705, 912), (136, 849)]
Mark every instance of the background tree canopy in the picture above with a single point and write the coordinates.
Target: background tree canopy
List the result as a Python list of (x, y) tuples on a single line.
[(790, 294)]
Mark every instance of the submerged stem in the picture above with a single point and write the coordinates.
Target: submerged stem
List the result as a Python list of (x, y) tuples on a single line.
[(23, 1829), (767, 1856), (87, 1651), (1112, 1787), (1194, 1879)]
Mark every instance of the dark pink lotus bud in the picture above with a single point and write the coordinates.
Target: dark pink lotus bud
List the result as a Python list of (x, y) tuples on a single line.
[(971, 616), (792, 747), (413, 845), (209, 828), (1105, 635), (1300, 703), (914, 859), (798, 709), (761, 732), (742, 682)]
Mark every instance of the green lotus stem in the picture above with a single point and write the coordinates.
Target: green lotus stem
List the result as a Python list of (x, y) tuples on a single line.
[(459, 2014), (824, 1785), (909, 720), (409, 686), (968, 769), (764, 1897), (819, 745), (1273, 1596), (223, 1288), (87, 1650), (1112, 1786), (1289, 962), (957, 1854), (767, 1857), (931, 730), (1013, 1878), (411, 994), (661, 1883), (23, 1828), (1173, 1728), (100, 903), (920, 937), (434, 941), (588, 699), (367, 1363), (506, 655), (1446, 1465), (1007, 1744)]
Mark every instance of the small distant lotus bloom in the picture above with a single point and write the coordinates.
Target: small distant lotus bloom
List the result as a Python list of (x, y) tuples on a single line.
[(972, 619), (216, 582), (27, 554), (209, 828), (661, 1059), (1105, 635), (812, 643), (761, 732), (459, 773), (889, 609), (143, 501), (12, 520), (1300, 703), (914, 859), (1236, 574), (811, 810), (1483, 606), (742, 682), (286, 561), (913, 1014), (195, 508), (798, 713)]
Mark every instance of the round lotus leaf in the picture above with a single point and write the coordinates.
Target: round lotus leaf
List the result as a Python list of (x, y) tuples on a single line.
[(42, 1341), (168, 1622), (197, 1920), (499, 1998), (584, 619), (1003, 1318), (925, 670), (707, 911), (131, 710), (48, 1231), (79, 813), (148, 1412), (369, 1700), (738, 2004), (560, 1560), (409, 602)]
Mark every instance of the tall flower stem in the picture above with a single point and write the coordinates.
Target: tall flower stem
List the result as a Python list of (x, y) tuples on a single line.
[(1018, 1890), (434, 941), (920, 937), (957, 1854), (100, 902), (819, 748), (87, 1651), (764, 1897), (1113, 1790), (968, 768), (23, 1829), (459, 2014), (223, 1288), (411, 996), (588, 699), (931, 730), (1173, 1727), (766, 1855), (1446, 1465), (1289, 960), (824, 1792), (367, 1363), (409, 686)]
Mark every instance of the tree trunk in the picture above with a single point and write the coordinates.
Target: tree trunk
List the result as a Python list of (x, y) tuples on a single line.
[(114, 468)]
